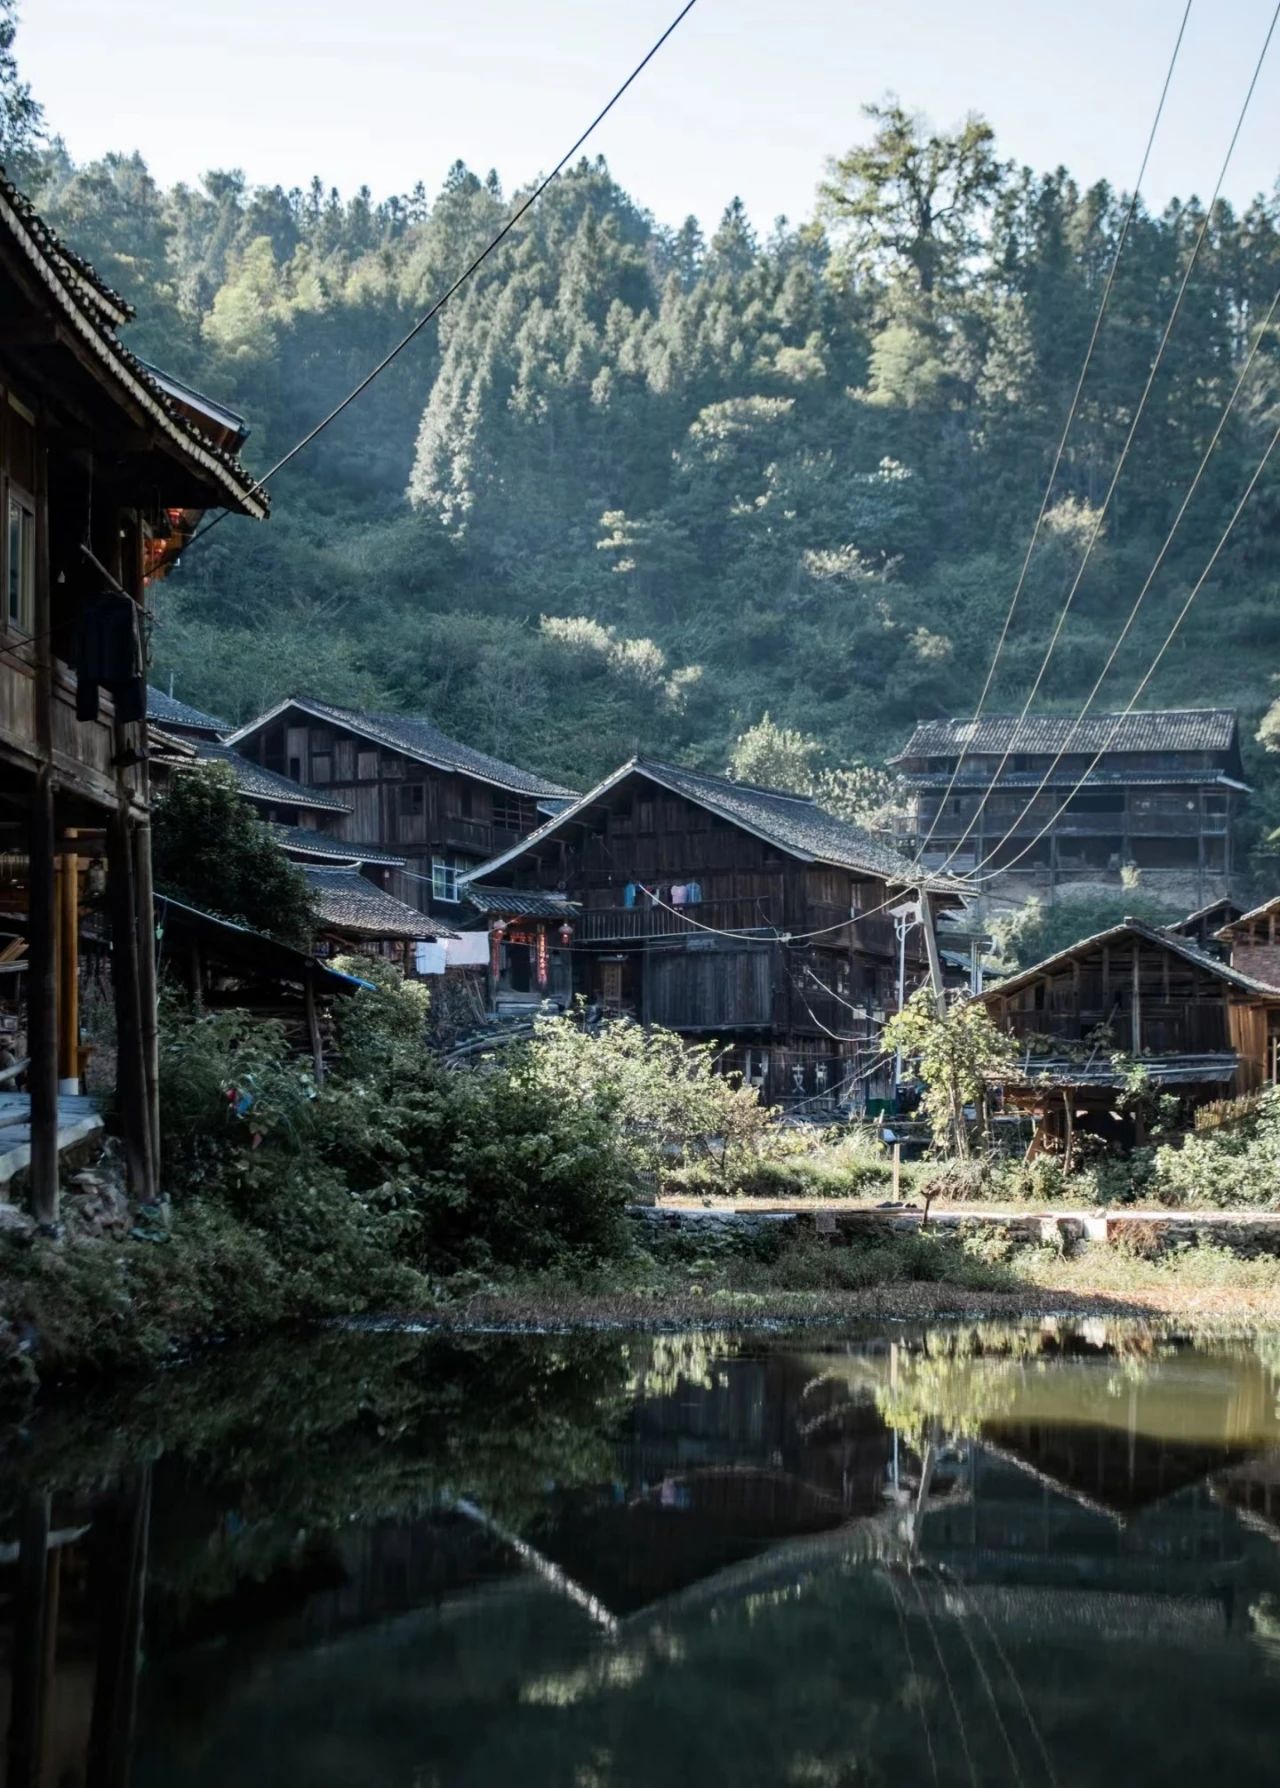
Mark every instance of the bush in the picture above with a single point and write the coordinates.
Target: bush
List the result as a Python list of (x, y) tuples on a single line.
[(1235, 1165)]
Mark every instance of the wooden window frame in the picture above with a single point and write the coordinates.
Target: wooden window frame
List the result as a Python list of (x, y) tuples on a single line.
[(444, 875)]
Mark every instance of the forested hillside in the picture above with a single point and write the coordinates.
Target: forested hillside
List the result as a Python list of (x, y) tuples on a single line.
[(636, 488)]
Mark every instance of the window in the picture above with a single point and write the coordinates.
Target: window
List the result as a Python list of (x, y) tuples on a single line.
[(367, 766), (322, 768), (413, 798), (21, 569), (444, 878), (295, 768)]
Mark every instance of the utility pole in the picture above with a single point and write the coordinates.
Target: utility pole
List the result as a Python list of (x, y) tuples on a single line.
[(904, 917), (931, 950)]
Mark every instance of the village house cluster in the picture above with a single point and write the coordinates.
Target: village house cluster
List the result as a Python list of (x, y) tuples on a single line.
[(668, 895)]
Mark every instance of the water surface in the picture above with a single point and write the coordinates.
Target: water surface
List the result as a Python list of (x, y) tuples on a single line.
[(987, 1554)]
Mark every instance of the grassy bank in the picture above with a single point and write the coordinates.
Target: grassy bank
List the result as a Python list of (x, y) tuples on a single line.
[(111, 1307)]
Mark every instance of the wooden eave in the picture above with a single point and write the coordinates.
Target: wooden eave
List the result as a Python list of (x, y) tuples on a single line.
[(88, 342)]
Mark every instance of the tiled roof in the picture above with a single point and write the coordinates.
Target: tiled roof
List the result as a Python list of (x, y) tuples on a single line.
[(304, 842), (95, 311), (257, 783), (1246, 919), (1159, 729), (166, 710), (519, 903), (1135, 928), (420, 740), (795, 823), (347, 901)]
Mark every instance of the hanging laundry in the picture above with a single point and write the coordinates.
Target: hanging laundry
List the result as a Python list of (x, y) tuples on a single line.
[(693, 893), (629, 894), (108, 654), (679, 894)]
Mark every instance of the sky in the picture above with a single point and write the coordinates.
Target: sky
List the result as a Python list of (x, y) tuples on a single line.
[(748, 98)]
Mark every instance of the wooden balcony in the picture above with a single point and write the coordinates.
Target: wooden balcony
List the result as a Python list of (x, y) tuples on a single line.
[(637, 923), (478, 838), (1167, 1028), (83, 750)]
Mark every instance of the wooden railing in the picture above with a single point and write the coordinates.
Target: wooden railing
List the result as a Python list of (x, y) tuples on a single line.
[(645, 920), (1166, 1029)]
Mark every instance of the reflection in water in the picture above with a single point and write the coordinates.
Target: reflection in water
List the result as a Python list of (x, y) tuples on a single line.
[(982, 1554)]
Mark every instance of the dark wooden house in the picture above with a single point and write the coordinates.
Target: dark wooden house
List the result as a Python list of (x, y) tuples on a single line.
[(721, 910), (1161, 799), (1252, 940), (398, 782), (105, 469), (1204, 926), (1201, 1028)]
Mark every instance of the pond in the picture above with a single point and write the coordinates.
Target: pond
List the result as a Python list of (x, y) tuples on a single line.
[(1044, 1554)]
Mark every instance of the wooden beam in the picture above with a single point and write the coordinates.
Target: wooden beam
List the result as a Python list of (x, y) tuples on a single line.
[(69, 974), (131, 1080)]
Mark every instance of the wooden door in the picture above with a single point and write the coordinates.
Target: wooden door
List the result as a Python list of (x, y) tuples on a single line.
[(611, 985)]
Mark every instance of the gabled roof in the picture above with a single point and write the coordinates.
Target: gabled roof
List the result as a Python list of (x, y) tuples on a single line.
[(1224, 904), (346, 901), (1166, 940), (249, 950), (94, 312), (1157, 729), (302, 841), (417, 739), (166, 710), (793, 823), (256, 783), (1264, 911)]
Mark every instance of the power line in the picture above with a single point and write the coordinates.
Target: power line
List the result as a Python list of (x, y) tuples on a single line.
[(1134, 200), (1139, 599), (1128, 442), (1151, 669), (412, 334)]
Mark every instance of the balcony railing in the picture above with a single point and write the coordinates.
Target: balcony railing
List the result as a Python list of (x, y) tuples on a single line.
[(609, 924)]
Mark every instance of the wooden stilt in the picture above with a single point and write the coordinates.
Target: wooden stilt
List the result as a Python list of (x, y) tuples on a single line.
[(131, 1080), (28, 1681), (69, 973), (148, 989), (42, 1042), (1069, 1132), (313, 1024)]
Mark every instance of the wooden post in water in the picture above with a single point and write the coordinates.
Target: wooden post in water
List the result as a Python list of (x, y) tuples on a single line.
[(120, 1537), (28, 1680)]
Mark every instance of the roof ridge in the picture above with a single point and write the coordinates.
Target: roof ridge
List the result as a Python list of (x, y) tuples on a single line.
[(755, 788)]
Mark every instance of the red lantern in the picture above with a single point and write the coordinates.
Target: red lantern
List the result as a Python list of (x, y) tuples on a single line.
[(566, 934)]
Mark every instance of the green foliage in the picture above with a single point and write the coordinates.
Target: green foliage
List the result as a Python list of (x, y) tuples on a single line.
[(210, 849), (959, 1051), (1235, 1165), (1036, 931)]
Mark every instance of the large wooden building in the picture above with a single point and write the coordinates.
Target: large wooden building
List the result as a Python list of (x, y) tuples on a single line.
[(1201, 1028), (722, 910), (105, 469), (1162, 799), (396, 782)]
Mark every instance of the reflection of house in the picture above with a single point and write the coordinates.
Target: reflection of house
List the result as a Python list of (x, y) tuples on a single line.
[(1200, 1028), (105, 469), (1162, 796), (725, 911), (401, 783)]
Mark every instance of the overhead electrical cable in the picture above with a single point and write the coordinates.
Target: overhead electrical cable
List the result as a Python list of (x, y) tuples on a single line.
[(473, 266), (1125, 450), (1151, 668), (1132, 616), (1134, 199)]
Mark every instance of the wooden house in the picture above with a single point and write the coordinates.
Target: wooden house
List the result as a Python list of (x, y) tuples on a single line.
[(1201, 1028), (399, 782), (1204, 926), (716, 908), (354, 914), (1252, 940), (180, 720), (1162, 798), (105, 470)]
